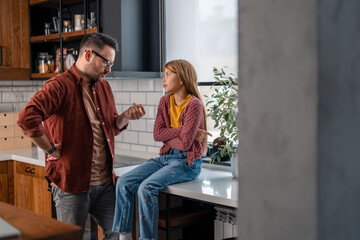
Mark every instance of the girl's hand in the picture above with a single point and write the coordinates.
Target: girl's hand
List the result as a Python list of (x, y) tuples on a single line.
[(55, 155), (201, 135)]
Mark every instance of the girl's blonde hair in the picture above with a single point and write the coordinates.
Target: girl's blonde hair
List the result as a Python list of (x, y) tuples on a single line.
[(187, 74)]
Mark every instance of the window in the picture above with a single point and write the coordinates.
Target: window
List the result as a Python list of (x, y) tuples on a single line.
[(204, 32)]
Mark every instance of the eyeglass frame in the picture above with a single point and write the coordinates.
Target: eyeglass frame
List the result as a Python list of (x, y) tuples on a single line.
[(107, 62)]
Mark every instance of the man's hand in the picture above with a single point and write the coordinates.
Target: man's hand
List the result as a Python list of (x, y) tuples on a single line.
[(201, 135), (55, 155), (136, 111)]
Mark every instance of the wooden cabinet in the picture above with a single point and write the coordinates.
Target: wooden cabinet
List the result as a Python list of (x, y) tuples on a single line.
[(4, 186), (14, 39), (31, 189), (11, 135), (63, 36), (24, 185)]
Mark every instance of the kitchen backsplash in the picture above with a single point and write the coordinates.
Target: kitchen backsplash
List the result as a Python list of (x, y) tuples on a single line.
[(138, 138)]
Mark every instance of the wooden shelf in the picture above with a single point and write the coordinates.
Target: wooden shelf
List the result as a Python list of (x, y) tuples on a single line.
[(44, 3), (46, 38), (70, 36), (67, 36), (52, 3), (43, 75)]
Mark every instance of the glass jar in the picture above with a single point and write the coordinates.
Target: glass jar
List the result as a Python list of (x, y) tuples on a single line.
[(41, 63), (50, 62)]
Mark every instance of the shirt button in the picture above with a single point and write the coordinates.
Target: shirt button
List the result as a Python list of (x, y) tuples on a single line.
[(98, 109), (108, 140), (93, 92), (103, 123)]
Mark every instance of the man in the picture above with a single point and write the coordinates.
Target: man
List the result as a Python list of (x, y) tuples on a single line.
[(80, 123)]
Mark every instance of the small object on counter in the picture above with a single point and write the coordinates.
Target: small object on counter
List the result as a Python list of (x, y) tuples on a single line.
[(50, 62), (77, 21), (42, 65), (67, 27), (92, 21), (47, 30), (56, 24)]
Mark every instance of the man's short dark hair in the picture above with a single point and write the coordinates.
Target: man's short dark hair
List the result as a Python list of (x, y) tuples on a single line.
[(98, 41)]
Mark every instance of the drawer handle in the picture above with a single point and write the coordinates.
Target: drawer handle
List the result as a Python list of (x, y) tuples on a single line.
[(30, 170)]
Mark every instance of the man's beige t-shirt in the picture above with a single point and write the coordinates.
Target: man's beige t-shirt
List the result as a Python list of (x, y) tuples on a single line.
[(100, 171)]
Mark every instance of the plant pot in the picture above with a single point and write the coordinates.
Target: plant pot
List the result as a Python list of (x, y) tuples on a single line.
[(234, 165)]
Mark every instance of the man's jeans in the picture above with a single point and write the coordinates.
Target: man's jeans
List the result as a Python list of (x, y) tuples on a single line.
[(147, 179), (98, 202)]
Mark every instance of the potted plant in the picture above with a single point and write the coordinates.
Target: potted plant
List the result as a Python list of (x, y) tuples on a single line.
[(222, 108)]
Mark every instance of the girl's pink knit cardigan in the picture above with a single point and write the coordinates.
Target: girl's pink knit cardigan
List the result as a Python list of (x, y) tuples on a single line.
[(183, 137)]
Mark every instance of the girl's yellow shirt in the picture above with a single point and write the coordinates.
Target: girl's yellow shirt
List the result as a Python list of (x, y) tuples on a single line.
[(175, 111)]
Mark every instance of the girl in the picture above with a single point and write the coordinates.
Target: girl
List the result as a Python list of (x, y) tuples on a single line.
[(181, 125)]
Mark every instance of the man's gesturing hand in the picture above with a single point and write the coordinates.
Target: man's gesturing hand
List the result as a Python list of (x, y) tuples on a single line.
[(136, 111)]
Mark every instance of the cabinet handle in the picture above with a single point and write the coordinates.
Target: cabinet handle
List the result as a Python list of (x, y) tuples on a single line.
[(30, 170)]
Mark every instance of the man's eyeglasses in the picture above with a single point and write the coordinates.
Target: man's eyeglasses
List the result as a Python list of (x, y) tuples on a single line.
[(107, 63)]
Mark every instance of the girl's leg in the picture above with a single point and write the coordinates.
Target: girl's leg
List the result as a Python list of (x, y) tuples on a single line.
[(176, 170), (126, 187)]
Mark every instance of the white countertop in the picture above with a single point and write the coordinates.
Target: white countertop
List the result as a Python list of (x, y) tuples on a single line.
[(214, 185)]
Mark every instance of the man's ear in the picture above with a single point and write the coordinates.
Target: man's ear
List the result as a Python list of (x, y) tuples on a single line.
[(87, 55)]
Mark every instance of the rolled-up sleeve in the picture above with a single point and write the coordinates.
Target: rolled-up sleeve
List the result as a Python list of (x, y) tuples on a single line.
[(40, 107)]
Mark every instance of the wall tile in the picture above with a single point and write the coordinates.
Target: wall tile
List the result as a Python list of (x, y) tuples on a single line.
[(138, 147), (146, 85), (119, 146), (119, 138), (153, 98), (138, 125), (138, 97), (12, 97), (146, 139), (6, 85), (119, 108), (19, 106), (22, 86), (153, 149), (129, 85), (158, 85), (116, 85), (150, 125), (130, 137), (27, 96), (122, 97), (150, 112)]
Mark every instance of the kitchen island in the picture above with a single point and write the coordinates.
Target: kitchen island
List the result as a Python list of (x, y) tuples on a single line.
[(215, 183)]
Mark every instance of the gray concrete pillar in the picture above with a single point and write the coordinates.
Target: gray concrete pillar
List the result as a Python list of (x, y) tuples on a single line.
[(299, 120)]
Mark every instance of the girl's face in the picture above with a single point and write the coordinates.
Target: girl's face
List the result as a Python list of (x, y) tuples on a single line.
[(171, 82)]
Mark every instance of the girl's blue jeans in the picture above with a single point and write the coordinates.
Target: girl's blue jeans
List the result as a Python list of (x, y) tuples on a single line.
[(147, 179)]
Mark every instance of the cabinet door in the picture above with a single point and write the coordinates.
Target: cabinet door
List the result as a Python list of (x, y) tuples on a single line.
[(14, 39), (4, 185), (31, 189)]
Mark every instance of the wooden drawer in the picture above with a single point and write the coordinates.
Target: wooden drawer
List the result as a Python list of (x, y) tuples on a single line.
[(8, 118), (3, 166), (30, 170), (18, 131), (22, 142), (7, 131), (7, 143)]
